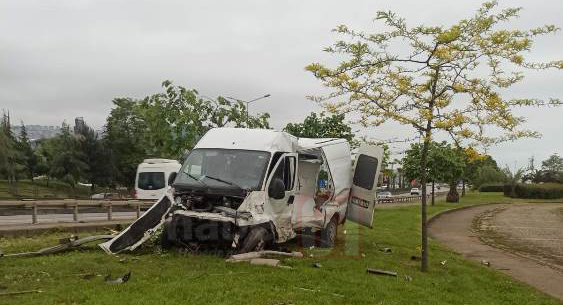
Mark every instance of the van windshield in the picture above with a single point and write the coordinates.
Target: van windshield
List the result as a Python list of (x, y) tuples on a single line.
[(151, 181), (224, 168)]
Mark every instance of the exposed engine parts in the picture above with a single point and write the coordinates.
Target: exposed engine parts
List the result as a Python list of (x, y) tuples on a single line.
[(208, 203)]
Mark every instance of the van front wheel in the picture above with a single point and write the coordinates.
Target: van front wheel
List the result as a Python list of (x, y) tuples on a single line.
[(328, 234), (256, 240)]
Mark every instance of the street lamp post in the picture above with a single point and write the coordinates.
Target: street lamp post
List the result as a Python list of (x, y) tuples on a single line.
[(248, 102)]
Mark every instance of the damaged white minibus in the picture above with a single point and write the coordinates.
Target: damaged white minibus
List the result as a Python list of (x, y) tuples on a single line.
[(246, 188)]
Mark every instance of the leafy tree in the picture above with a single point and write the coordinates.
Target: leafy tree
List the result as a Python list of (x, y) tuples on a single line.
[(68, 160), (487, 174), (9, 153), (473, 163), (124, 136), (551, 170), (512, 178), (167, 125), (29, 158), (553, 163), (434, 78), (47, 150), (95, 157), (444, 164), (321, 127)]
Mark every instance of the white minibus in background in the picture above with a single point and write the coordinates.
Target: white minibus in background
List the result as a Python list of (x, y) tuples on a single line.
[(153, 177)]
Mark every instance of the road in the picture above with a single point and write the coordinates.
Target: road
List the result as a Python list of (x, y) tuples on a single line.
[(428, 190), (468, 232), (63, 218)]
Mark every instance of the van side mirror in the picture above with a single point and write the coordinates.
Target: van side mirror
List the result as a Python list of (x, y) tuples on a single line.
[(276, 189), (172, 177)]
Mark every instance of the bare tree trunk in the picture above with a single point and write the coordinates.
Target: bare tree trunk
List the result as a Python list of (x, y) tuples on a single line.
[(423, 163), (453, 196), (433, 196), (463, 189)]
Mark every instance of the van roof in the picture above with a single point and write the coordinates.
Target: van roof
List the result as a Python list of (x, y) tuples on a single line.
[(159, 161), (260, 139), (248, 139)]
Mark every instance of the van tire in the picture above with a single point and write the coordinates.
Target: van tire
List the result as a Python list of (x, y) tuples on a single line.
[(165, 242), (256, 240), (328, 234)]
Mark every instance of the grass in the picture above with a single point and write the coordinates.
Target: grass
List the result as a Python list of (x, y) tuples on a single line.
[(175, 278), (39, 190)]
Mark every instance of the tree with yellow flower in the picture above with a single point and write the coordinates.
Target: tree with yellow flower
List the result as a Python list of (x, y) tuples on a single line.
[(436, 79)]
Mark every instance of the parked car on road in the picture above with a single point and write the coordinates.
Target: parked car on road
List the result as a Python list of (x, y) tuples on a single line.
[(415, 191), (105, 196), (384, 195)]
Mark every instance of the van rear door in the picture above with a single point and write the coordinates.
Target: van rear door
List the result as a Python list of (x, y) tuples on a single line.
[(362, 199)]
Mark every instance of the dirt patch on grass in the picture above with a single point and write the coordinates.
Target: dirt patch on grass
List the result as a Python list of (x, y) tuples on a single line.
[(532, 230)]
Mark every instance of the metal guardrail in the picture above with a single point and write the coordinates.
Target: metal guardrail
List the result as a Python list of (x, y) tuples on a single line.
[(75, 205), (136, 205), (408, 198)]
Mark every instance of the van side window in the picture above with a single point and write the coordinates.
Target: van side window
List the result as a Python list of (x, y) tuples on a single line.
[(289, 173), (325, 187), (366, 169), (286, 172)]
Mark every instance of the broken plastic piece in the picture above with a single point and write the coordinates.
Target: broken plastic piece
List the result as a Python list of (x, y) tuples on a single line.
[(259, 254), (73, 243), (265, 262), (19, 292), (381, 272), (140, 230), (119, 280)]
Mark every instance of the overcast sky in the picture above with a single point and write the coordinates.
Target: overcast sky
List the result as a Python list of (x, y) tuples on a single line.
[(65, 58)]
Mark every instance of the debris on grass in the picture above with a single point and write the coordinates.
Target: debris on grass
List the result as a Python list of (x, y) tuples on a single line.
[(486, 263), (415, 258), (319, 291), (386, 250), (408, 278), (10, 293), (443, 263), (317, 265), (265, 262), (260, 254), (381, 272), (120, 280), (89, 276), (65, 244)]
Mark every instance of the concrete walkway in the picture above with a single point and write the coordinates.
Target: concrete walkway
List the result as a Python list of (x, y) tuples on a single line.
[(453, 229)]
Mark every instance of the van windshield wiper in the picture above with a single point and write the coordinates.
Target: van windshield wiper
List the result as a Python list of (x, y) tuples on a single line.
[(226, 182), (196, 179)]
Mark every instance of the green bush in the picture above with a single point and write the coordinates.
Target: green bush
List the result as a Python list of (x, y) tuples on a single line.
[(497, 187), (538, 191)]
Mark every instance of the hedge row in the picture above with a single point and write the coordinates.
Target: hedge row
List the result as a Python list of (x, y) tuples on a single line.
[(491, 188), (536, 191)]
